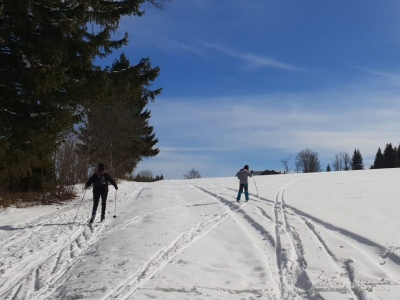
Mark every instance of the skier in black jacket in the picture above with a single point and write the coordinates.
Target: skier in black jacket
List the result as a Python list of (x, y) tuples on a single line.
[(100, 181)]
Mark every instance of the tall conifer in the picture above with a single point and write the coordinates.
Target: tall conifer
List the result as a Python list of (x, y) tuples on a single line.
[(121, 126), (379, 162), (357, 160), (390, 157), (47, 49)]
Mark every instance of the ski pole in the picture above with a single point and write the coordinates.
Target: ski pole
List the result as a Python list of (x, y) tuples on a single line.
[(255, 185), (79, 205), (115, 202)]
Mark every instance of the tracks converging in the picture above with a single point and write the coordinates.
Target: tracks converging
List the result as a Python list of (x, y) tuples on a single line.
[(299, 252), (39, 255)]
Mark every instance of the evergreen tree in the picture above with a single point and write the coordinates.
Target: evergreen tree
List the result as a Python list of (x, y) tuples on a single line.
[(357, 161), (396, 161), (379, 162), (398, 155), (328, 168), (390, 157), (123, 123), (47, 50)]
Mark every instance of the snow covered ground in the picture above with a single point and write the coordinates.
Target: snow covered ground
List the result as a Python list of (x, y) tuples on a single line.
[(304, 236)]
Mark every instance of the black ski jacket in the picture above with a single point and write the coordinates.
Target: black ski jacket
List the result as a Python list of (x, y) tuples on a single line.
[(100, 182)]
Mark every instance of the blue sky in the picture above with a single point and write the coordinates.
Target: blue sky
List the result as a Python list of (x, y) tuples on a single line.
[(253, 82)]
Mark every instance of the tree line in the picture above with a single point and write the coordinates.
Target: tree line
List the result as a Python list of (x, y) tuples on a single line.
[(60, 112), (307, 161), (147, 176)]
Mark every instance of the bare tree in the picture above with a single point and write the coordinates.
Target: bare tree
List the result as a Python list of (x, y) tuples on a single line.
[(192, 174), (346, 161), (337, 162), (341, 161), (307, 161), (146, 174), (285, 163), (66, 164)]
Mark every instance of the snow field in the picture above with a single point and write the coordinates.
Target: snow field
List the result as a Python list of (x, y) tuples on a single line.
[(304, 236)]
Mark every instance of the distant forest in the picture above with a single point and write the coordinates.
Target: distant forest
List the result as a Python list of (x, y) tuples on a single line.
[(307, 161)]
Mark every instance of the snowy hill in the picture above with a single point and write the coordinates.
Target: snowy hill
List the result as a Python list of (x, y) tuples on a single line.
[(304, 236)]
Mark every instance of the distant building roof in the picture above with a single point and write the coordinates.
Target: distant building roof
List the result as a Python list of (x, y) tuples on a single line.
[(266, 172), (257, 172)]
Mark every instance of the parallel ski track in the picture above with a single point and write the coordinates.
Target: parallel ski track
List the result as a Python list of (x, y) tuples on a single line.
[(354, 289), (297, 248), (290, 256), (156, 263), (289, 251), (206, 291), (33, 276), (357, 288), (290, 259), (258, 227)]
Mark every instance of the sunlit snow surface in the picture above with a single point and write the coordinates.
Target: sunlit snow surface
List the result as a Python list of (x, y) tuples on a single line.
[(304, 236)]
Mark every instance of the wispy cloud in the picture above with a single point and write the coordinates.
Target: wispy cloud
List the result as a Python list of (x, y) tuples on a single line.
[(255, 125), (394, 76), (173, 44), (254, 61)]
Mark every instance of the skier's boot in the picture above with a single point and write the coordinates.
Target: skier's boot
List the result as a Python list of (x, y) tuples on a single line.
[(102, 218), (92, 219)]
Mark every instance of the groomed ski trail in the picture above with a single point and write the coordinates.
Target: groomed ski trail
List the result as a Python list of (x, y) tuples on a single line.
[(30, 274), (156, 263)]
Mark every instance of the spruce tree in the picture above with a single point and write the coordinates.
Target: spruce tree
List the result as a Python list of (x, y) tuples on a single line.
[(396, 162), (398, 155), (328, 168), (379, 162), (390, 157), (122, 127), (47, 50), (357, 161)]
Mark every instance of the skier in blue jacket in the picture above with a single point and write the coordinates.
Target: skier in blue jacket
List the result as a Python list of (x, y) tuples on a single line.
[(100, 181), (243, 175)]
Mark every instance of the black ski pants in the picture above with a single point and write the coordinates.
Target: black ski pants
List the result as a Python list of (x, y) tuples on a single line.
[(96, 197)]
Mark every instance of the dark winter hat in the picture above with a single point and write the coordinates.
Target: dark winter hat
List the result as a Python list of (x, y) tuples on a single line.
[(101, 168), (246, 167)]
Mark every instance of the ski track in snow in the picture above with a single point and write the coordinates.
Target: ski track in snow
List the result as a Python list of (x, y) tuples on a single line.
[(290, 258), (39, 255), (359, 289), (156, 263), (290, 255)]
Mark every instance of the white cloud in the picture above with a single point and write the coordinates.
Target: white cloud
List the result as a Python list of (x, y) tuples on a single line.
[(253, 60), (257, 123), (172, 44), (173, 165)]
